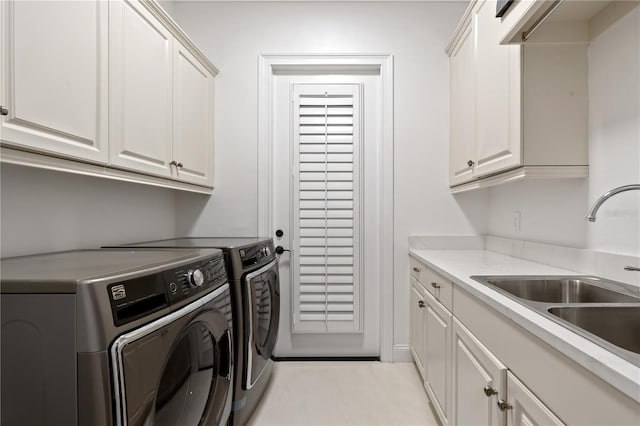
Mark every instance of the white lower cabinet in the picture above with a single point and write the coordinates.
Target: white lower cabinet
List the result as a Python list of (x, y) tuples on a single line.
[(523, 408), (465, 381), (416, 334), (478, 381), (437, 354), (430, 337)]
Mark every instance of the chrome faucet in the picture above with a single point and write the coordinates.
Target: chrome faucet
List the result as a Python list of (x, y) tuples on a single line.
[(591, 217)]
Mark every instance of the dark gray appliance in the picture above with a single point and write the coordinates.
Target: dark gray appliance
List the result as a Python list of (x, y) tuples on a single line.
[(116, 337), (255, 294)]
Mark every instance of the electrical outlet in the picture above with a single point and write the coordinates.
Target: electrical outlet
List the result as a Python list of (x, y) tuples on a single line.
[(516, 221)]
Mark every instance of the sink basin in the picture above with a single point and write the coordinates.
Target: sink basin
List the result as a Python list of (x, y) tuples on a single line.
[(603, 311), (619, 325), (558, 290)]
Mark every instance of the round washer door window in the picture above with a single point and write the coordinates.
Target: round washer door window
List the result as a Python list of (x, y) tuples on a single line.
[(187, 379)]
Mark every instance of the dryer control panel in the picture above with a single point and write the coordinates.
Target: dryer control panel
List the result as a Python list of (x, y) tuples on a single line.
[(258, 254), (135, 298)]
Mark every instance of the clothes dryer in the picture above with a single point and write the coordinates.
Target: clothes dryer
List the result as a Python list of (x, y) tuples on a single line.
[(124, 337), (255, 292)]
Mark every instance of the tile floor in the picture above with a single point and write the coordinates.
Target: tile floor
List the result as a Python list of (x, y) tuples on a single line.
[(344, 393)]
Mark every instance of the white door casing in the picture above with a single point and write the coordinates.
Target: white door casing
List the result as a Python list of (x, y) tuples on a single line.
[(378, 68)]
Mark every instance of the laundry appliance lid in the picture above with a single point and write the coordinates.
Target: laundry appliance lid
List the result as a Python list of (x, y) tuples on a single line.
[(63, 272), (202, 242)]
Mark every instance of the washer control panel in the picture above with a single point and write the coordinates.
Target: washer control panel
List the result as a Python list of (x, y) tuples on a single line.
[(193, 278), (135, 298)]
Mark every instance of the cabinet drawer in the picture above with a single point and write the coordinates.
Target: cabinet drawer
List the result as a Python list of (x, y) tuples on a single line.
[(436, 284), (440, 287), (417, 270)]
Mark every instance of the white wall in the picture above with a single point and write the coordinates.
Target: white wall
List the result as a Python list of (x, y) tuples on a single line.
[(614, 133), (43, 211), (233, 34), (553, 211)]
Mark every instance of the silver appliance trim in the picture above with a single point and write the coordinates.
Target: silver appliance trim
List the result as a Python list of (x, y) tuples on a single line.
[(124, 339), (250, 345)]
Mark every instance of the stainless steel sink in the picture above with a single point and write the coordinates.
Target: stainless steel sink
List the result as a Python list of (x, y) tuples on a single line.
[(604, 311), (560, 290), (619, 325)]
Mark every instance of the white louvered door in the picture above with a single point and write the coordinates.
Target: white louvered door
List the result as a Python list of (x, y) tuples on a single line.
[(326, 208)]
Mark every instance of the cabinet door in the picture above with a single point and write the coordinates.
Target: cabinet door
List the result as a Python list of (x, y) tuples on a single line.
[(437, 350), (140, 90), (498, 95), (526, 409), (416, 325), (192, 118), (474, 370), (54, 77), (462, 107)]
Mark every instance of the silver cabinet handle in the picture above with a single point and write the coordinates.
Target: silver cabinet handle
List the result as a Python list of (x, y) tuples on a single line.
[(3, 110), (470, 163), (173, 163), (631, 268), (179, 165), (504, 405), (435, 285), (421, 304), (415, 269), (489, 391)]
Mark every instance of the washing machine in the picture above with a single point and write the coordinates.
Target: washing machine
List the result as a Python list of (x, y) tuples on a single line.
[(255, 292), (116, 337)]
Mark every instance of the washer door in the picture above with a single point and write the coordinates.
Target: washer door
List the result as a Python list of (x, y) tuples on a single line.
[(176, 374), (263, 288)]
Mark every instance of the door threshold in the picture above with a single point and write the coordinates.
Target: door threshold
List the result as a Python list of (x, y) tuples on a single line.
[(325, 358)]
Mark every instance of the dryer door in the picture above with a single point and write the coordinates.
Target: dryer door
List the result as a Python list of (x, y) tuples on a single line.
[(176, 374), (263, 288)]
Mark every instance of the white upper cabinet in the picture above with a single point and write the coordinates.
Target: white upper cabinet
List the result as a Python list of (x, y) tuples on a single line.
[(140, 89), (462, 107), (54, 77), (517, 111), (192, 118), (497, 69), (88, 84)]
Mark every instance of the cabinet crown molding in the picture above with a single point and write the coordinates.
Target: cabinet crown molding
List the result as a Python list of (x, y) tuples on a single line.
[(179, 34)]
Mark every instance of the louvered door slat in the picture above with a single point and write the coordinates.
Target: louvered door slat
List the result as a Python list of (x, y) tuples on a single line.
[(327, 289)]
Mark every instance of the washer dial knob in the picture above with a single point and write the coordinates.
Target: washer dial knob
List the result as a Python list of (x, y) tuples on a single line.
[(265, 251), (195, 278)]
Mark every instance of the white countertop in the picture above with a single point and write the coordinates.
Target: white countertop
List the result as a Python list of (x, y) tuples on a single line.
[(459, 265)]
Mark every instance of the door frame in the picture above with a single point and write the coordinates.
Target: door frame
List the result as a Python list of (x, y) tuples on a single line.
[(268, 66)]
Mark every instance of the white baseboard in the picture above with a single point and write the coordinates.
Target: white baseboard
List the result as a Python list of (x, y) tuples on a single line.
[(401, 353)]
